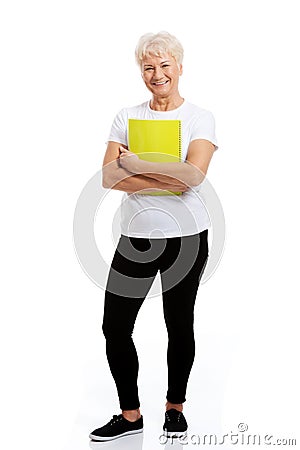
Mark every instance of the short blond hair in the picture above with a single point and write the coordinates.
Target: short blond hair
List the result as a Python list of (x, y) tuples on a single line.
[(157, 44)]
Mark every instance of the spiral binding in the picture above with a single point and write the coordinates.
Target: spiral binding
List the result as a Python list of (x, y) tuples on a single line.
[(179, 136)]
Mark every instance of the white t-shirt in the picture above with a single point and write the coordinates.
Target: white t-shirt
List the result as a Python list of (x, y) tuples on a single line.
[(155, 216)]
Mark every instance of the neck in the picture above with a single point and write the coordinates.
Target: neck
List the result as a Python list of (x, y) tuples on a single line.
[(166, 103)]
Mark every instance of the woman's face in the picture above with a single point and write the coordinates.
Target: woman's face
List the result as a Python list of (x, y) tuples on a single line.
[(161, 74)]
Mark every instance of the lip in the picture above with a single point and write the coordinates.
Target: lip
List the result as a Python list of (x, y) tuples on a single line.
[(160, 83)]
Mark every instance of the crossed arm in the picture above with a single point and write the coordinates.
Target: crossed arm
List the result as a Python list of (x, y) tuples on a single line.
[(123, 170)]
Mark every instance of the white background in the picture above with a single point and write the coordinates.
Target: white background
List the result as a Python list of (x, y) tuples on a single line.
[(67, 69)]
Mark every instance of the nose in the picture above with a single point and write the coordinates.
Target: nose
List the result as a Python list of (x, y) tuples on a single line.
[(158, 73)]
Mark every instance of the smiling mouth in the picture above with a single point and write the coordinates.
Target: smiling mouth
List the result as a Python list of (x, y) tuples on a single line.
[(161, 83)]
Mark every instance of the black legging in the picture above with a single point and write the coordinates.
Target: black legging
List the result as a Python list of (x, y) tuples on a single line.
[(181, 262)]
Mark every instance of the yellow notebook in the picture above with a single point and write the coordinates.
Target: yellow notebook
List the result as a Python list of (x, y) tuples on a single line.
[(156, 141)]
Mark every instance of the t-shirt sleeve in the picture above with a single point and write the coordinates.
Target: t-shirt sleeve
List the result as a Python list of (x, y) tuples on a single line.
[(204, 128), (118, 131)]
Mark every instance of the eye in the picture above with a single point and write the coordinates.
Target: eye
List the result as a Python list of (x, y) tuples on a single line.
[(165, 65), (148, 68)]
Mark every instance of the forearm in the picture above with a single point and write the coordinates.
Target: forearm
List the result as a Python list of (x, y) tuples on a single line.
[(123, 180), (163, 178), (166, 172)]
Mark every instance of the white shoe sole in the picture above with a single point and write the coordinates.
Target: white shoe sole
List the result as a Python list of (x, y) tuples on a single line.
[(175, 434), (110, 438)]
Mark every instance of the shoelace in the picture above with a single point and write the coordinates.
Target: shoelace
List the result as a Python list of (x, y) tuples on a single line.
[(178, 418), (116, 418)]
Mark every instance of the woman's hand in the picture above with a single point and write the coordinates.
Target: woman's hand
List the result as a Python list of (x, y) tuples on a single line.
[(129, 160)]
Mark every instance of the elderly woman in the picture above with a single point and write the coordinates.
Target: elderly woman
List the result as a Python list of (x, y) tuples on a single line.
[(165, 233)]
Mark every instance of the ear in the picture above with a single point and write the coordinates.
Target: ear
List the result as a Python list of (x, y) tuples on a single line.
[(180, 69)]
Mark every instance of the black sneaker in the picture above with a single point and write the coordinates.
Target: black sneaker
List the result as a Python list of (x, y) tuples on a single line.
[(118, 426), (175, 424)]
